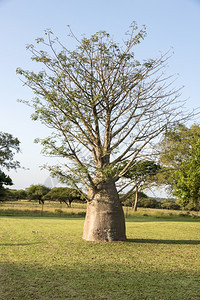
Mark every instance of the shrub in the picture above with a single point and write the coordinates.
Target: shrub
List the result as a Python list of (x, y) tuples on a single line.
[(169, 204), (148, 203)]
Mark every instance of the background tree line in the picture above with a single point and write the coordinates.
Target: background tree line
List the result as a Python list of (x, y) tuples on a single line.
[(41, 193), (177, 167)]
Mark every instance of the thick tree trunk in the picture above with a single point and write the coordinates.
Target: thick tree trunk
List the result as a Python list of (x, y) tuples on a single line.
[(104, 217)]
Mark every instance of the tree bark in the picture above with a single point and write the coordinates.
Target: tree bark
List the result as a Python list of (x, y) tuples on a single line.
[(136, 199), (104, 217)]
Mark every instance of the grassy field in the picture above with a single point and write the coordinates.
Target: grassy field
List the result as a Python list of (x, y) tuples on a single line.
[(46, 258), (55, 209)]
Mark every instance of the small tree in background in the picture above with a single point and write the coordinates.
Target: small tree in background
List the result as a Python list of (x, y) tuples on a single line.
[(141, 175), (36, 192), (149, 203), (130, 200), (104, 107), (169, 204), (64, 194), (17, 194)]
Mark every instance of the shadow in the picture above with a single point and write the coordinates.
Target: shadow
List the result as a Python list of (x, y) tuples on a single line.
[(96, 281), (21, 244), (168, 242)]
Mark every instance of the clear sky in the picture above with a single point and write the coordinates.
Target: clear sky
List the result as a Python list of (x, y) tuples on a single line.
[(172, 23)]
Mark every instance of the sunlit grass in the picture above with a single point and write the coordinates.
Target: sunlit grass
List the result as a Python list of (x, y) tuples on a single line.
[(33, 208), (25, 207), (46, 258)]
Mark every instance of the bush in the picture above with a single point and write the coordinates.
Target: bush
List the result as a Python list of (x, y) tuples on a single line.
[(16, 194), (148, 203), (5, 194), (169, 204), (191, 206)]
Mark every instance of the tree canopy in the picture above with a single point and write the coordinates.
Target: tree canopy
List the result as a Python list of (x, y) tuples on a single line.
[(181, 155), (4, 180), (141, 175), (104, 107), (64, 194), (8, 147), (36, 192)]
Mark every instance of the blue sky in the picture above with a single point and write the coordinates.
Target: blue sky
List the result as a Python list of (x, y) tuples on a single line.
[(172, 23)]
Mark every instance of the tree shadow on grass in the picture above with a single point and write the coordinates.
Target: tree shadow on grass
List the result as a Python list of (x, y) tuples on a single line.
[(95, 281), (21, 244), (168, 242)]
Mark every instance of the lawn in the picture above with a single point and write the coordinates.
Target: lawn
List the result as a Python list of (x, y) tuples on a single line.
[(46, 258)]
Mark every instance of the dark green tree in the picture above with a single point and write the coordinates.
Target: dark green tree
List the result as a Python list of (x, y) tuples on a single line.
[(169, 204), (104, 107), (8, 147), (36, 192), (181, 160), (64, 194), (149, 203), (17, 194), (4, 180), (187, 186)]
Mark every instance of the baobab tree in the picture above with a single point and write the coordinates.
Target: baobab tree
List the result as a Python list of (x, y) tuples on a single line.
[(104, 107)]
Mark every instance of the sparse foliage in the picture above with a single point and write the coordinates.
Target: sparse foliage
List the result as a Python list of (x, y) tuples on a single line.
[(104, 107), (141, 175)]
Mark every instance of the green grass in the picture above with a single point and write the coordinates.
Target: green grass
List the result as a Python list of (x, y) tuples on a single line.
[(55, 209), (26, 208), (46, 258)]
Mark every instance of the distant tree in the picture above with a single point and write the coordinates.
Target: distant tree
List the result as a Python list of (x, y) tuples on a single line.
[(131, 199), (36, 192), (63, 194), (169, 204), (142, 175), (17, 194), (8, 147), (21, 194), (149, 203), (103, 107)]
